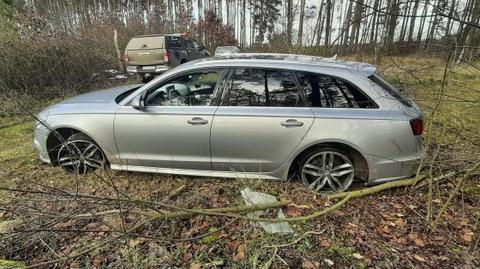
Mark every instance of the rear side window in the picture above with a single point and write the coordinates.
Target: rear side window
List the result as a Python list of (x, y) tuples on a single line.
[(391, 90), (174, 42), (254, 87), (328, 91)]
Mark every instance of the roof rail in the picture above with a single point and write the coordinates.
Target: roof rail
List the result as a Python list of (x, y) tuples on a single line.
[(365, 68)]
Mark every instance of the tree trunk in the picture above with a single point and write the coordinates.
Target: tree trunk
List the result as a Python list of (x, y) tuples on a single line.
[(413, 20), (391, 24), (356, 24), (346, 26), (117, 49), (374, 31), (328, 23), (422, 21), (289, 21), (300, 23)]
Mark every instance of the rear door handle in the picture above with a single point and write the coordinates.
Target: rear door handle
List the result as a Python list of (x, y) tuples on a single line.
[(291, 123), (197, 121)]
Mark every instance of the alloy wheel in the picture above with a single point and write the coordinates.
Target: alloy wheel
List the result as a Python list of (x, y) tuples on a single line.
[(80, 156), (328, 171)]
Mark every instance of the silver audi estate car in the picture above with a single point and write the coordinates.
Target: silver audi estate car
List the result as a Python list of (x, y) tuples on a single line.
[(324, 121)]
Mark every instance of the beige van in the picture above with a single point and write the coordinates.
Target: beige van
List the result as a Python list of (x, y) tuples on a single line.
[(148, 55)]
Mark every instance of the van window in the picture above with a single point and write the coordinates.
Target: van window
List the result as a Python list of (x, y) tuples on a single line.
[(256, 87), (391, 90), (174, 42), (145, 42), (328, 91)]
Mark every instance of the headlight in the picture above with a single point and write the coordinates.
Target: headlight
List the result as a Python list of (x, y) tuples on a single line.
[(42, 116), (38, 125)]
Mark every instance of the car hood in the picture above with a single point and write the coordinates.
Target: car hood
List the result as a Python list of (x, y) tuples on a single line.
[(100, 96)]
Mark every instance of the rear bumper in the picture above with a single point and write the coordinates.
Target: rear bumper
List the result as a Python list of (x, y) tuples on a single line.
[(138, 69), (384, 170)]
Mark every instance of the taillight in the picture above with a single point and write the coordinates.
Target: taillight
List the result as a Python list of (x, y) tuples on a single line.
[(125, 57), (165, 55), (417, 126)]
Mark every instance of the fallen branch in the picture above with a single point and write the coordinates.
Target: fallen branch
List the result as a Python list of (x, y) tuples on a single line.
[(374, 189), (453, 193), (435, 180), (297, 240), (217, 211)]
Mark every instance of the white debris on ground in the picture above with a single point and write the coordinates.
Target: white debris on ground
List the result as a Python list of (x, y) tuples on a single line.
[(121, 77), (255, 198), (111, 71), (110, 74)]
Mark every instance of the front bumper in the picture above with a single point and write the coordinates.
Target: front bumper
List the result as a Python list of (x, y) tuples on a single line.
[(40, 142), (138, 69)]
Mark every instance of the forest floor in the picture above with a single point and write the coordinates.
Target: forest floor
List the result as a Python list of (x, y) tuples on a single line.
[(390, 229)]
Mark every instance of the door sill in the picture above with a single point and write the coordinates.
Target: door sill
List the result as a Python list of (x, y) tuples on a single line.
[(191, 172)]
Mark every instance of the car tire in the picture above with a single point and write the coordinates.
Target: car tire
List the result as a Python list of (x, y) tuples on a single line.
[(325, 169), (79, 154)]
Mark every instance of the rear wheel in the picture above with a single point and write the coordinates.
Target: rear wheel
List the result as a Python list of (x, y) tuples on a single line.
[(80, 154), (327, 169)]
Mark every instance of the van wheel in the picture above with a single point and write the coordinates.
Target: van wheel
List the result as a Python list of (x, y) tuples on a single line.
[(144, 78), (327, 170), (147, 79)]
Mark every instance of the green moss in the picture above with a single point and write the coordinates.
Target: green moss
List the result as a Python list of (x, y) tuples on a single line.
[(11, 264), (212, 237), (340, 250)]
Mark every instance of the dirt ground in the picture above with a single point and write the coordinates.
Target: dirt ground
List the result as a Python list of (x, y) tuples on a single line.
[(47, 215)]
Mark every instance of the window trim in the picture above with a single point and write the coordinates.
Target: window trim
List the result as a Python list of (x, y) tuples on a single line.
[(229, 85), (352, 84)]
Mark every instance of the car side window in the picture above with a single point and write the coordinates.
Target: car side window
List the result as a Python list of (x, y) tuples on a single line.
[(194, 89), (255, 87), (189, 43), (196, 45), (328, 91)]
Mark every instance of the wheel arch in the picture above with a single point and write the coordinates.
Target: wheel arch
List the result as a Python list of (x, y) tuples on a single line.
[(360, 162), (53, 140)]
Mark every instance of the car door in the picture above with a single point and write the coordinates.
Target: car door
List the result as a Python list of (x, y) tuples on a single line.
[(173, 130), (262, 119)]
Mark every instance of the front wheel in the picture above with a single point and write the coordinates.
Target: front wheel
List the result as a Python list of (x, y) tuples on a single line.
[(326, 170), (79, 154)]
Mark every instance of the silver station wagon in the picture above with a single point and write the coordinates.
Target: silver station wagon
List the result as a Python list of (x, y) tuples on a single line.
[(324, 121)]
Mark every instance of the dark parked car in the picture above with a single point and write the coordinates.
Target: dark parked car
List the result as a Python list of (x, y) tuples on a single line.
[(149, 55)]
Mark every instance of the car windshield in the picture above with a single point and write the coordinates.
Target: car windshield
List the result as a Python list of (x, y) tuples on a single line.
[(391, 90)]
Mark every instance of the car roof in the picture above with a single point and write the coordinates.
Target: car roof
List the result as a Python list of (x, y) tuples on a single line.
[(161, 35), (285, 61)]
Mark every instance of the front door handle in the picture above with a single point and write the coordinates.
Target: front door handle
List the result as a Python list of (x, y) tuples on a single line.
[(197, 121), (291, 123)]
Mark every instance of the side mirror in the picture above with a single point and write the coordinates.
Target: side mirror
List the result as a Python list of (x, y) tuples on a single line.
[(139, 102)]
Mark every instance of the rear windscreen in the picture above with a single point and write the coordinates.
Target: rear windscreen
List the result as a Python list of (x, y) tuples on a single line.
[(391, 90), (146, 42)]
